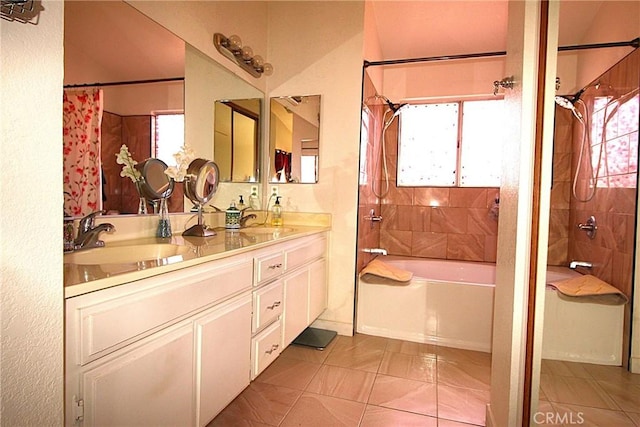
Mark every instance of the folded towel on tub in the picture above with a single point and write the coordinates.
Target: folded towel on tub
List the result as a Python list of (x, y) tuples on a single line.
[(379, 272), (591, 289)]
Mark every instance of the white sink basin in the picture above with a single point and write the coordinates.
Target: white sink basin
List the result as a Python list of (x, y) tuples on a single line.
[(125, 254), (265, 230)]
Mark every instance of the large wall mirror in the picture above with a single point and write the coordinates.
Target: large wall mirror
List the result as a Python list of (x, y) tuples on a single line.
[(109, 42), (294, 139), (236, 141)]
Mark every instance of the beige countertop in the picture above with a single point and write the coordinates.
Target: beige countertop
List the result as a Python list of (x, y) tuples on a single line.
[(80, 279)]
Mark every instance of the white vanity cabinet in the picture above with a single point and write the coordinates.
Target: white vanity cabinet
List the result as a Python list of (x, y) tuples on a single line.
[(172, 349)]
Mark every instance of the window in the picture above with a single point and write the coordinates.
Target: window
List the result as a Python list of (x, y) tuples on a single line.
[(456, 144), (168, 131)]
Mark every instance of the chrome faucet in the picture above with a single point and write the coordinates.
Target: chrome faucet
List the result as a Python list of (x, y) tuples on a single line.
[(375, 251), (88, 232), (574, 264), (244, 218)]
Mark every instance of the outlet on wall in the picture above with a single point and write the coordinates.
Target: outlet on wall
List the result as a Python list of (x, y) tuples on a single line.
[(254, 189), (274, 191)]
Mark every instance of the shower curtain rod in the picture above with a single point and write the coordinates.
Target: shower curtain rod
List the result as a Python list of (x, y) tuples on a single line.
[(635, 43), (132, 82)]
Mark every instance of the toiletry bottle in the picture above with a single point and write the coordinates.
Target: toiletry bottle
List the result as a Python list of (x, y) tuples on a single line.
[(254, 203), (232, 217), (164, 224), (276, 213), (241, 204)]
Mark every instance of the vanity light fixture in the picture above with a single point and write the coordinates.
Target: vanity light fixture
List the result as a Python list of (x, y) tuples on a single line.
[(232, 48)]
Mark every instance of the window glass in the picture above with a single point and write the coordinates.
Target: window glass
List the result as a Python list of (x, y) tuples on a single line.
[(169, 136)]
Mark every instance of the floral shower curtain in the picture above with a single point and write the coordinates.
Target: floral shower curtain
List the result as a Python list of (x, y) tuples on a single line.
[(82, 117)]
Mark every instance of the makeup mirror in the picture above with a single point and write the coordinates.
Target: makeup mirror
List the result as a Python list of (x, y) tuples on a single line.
[(294, 139), (156, 184), (200, 185)]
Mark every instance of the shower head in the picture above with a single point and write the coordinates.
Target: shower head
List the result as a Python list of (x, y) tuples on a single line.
[(569, 104)]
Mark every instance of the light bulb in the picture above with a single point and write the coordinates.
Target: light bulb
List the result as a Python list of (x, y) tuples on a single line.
[(234, 43), (247, 53), (257, 62), (267, 69)]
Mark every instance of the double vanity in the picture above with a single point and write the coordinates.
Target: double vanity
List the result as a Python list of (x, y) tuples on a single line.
[(169, 331)]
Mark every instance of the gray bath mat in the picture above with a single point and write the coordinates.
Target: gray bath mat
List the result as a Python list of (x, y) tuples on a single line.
[(316, 338)]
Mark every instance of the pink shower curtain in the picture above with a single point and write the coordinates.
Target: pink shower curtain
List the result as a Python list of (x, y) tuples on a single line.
[(82, 117)]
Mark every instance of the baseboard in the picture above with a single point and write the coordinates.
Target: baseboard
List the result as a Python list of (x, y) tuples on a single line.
[(340, 327), (634, 365)]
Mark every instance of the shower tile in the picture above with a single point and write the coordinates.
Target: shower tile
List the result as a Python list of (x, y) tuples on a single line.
[(559, 223), (622, 272), (449, 220), (398, 195), (468, 198), (396, 242), (576, 391), (584, 415), (468, 247), (558, 251), (490, 248), (412, 367), (390, 218), (480, 222), (405, 395), (317, 410), (420, 218), (350, 384), (258, 404), (433, 197), (430, 245), (466, 375), (461, 404), (562, 167), (375, 416), (292, 373), (560, 195)]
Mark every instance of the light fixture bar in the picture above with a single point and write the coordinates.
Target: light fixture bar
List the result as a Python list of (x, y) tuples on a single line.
[(232, 48)]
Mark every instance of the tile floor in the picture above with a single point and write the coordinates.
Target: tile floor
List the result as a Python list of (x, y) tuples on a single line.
[(372, 381)]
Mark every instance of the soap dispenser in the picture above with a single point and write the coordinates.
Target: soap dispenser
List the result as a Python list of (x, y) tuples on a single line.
[(232, 217), (254, 202), (276, 213), (241, 204)]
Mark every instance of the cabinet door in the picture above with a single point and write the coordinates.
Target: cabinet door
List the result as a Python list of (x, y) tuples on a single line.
[(152, 384), (317, 289), (296, 305), (223, 338)]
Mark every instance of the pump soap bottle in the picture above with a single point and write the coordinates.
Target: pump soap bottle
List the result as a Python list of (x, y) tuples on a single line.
[(276, 213)]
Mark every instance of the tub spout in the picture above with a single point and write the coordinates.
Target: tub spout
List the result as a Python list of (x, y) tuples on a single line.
[(574, 264), (377, 251)]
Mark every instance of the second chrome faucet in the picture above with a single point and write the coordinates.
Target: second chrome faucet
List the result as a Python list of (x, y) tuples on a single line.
[(88, 232)]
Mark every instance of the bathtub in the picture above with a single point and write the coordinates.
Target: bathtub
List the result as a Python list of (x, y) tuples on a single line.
[(450, 303)]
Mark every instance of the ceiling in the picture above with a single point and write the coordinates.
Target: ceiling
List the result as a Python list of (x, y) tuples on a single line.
[(415, 29)]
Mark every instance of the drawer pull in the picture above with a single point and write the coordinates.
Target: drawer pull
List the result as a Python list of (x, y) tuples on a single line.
[(273, 348), (274, 266), (274, 305)]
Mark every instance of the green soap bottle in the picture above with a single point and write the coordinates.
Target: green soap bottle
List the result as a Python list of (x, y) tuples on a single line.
[(276, 213)]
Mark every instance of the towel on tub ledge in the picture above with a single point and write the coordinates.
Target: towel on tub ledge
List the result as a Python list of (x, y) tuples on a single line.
[(589, 288), (379, 272)]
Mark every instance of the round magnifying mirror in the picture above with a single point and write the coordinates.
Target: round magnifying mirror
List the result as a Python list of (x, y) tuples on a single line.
[(201, 182), (156, 184)]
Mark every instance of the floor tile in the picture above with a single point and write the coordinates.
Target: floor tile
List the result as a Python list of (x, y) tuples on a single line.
[(412, 348), (592, 417), (375, 416), (464, 356), (634, 417), (355, 358), (466, 375), (258, 404), (546, 415), (567, 369), (421, 368), (625, 395), (314, 410), (405, 395), (290, 373), (448, 423), (613, 374), (368, 342), (350, 384), (462, 404), (576, 391), (306, 354)]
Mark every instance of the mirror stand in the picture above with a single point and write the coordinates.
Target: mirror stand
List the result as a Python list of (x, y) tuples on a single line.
[(199, 229)]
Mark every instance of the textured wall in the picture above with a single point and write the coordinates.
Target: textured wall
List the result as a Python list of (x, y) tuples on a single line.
[(31, 292)]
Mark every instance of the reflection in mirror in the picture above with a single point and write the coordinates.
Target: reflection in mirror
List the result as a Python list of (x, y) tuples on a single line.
[(155, 183), (236, 139), (294, 140), (200, 185)]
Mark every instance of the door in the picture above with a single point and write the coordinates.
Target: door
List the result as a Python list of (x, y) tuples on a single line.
[(524, 194)]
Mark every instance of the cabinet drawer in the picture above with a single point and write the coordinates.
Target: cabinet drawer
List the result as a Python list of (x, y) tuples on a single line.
[(269, 267), (265, 347), (304, 253), (267, 305), (99, 326)]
